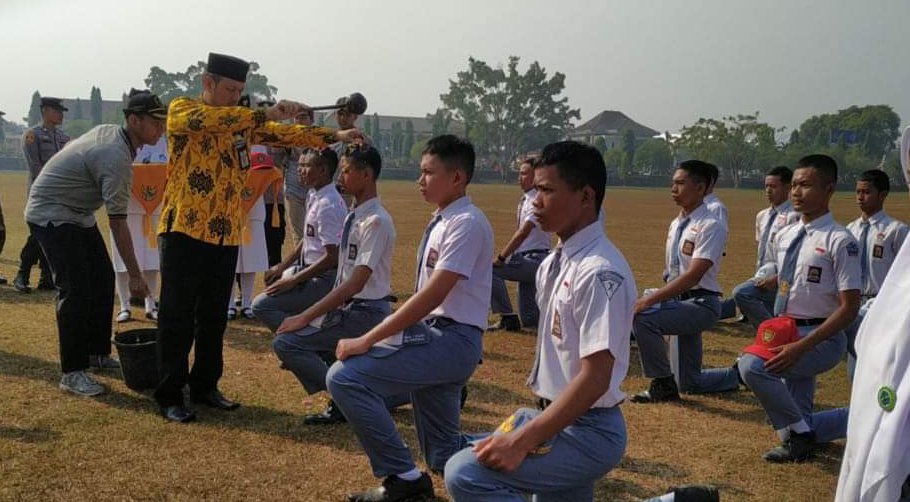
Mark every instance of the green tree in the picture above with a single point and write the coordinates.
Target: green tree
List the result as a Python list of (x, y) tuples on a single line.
[(396, 138), (34, 110), (653, 156), (409, 139), (613, 159), (600, 143), (873, 129), (440, 121), (77, 113), (377, 132), (76, 127), (417, 150), (95, 107), (737, 144), (2, 132), (505, 112), (169, 85), (627, 140)]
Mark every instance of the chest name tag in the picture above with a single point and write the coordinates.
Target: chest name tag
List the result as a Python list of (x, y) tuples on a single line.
[(352, 251), (814, 275), (878, 251), (688, 248)]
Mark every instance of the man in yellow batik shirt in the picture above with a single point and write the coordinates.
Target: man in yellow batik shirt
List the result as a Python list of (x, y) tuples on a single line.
[(200, 230)]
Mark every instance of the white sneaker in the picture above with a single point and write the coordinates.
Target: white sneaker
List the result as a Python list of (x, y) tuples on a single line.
[(124, 316), (80, 382)]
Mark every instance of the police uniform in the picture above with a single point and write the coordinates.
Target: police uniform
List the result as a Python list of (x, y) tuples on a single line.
[(39, 144), (827, 264), (432, 359), (586, 297), (522, 267), (880, 238), (324, 221), (368, 240), (757, 303), (698, 235)]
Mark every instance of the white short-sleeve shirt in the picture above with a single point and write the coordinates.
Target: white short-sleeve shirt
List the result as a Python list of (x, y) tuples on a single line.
[(885, 237), (828, 263), (717, 208), (370, 244), (785, 216), (324, 221), (590, 309), (537, 238), (461, 242), (704, 237)]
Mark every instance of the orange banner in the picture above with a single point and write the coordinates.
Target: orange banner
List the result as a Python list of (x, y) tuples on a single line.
[(148, 190), (257, 182)]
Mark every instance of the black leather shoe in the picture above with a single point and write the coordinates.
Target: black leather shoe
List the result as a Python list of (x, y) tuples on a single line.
[(3, 280), (214, 399), (21, 284), (508, 322), (398, 490), (797, 448), (177, 413), (695, 493), (331, 415), (45, 284), (661, 390)]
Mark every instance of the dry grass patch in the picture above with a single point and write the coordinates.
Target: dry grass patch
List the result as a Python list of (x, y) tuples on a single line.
[(59, 447)]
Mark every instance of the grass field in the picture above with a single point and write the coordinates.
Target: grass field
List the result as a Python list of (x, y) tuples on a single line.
[(55, 446)]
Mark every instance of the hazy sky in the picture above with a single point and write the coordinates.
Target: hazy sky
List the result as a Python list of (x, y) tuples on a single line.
[(663, 63)]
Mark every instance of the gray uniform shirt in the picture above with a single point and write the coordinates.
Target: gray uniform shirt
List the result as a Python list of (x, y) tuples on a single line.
[(39, 144), (94, 170)]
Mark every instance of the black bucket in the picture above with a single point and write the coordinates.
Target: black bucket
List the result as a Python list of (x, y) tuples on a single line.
[(136, 348)]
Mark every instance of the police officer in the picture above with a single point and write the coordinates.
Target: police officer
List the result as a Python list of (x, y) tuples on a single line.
[(587, 292), (39, 144), (880, 237), (819, 287), (519, 260)]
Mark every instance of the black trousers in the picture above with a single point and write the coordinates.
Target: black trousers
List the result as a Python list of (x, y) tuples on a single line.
[(30, 256), (84, 277), (274, 236), (196, 280)]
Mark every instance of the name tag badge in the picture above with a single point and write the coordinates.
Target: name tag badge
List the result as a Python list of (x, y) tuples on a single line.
[(310, 230), (242, 153), (352, 251), (432, 256), (814, 275), (688, 248), (878, 251)]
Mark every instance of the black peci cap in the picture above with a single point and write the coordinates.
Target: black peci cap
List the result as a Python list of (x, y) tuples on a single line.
[(227, 66), (145, 103), (55, 103)]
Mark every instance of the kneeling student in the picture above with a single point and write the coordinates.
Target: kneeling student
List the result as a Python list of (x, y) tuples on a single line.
[(586, 293), (360, 299)]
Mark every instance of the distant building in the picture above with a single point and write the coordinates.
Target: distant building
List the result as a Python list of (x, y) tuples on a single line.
[(609, 125)]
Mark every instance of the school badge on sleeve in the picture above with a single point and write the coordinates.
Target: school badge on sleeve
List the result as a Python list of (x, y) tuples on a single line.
[(887, 398)]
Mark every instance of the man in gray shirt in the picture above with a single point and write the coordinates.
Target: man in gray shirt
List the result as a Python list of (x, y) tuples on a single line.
[(94, 170)]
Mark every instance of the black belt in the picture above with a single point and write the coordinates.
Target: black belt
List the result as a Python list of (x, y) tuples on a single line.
[(536, 251), (542, 403), (809, 322), (696, 293)]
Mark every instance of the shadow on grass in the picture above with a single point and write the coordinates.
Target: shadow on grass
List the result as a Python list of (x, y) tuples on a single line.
[(648, 468), (609, 488), (755, 414), (28, 435), (12, 298), (248, 335)]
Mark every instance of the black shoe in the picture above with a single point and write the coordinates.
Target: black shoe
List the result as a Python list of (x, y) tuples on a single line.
[(177, 413), (508, 322), (661, 390), (695, 493), (742, 319), (21, 284), (3, 280), (331, 415), (46, 284), (214, 399), (797, 448), (464, 396), (396, 489)]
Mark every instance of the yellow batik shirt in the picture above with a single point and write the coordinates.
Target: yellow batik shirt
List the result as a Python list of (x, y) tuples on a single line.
[(208, 161)]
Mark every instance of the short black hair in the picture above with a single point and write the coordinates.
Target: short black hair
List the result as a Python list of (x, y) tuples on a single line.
[(825, 165), (782, 172), (877, 178), (364, 157), (325, 157), (699, 170), (453, 151), (578, 164), (714, 172)]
